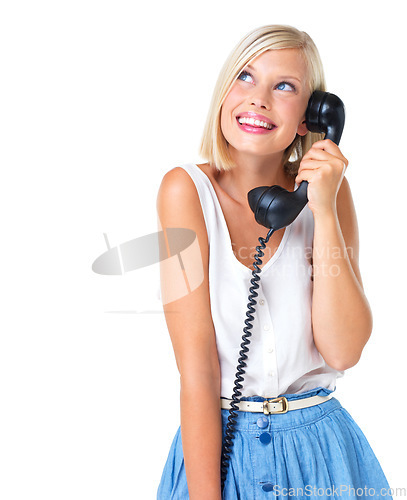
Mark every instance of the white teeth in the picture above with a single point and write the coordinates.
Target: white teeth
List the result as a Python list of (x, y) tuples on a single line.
[(257, 123)]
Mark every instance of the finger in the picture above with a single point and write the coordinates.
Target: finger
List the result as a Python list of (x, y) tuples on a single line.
[(305, 175), (326, 144), (330, 147), (310, 164), (318, 154)]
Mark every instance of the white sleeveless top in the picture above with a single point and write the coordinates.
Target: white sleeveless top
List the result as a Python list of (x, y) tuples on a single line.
[(282, 357)]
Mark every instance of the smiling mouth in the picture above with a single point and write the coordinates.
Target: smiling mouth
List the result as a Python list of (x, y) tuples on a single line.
[(253, 122)]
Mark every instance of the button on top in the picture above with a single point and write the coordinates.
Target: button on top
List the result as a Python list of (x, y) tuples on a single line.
[(270, 349), (262, 422), (266, 327), (268, 487), (265, 438), (261, 302)]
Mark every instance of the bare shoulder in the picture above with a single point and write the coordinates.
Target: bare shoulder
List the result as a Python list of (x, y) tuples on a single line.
[(176, 182), (178, 206), (178, 190), (349, 225)]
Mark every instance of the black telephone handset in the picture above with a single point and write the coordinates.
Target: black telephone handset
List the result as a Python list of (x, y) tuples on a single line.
[(275, 208)]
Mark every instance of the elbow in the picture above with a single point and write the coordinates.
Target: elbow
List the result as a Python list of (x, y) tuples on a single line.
[(200, 388), (193, 381), (343, 363), (346, 353), (347, 359)]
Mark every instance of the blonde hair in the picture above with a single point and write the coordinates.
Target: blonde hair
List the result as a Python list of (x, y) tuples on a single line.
[(214, 147)]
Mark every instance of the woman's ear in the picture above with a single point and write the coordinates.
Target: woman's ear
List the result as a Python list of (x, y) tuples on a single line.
[(302, 128)]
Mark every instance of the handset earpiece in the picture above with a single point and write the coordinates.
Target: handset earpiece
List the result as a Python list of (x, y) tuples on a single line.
[(325, 113), (274, 207)]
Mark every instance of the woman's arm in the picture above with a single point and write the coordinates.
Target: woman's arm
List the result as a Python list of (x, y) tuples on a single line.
[(341, 316), (192, 334), (342, 319)]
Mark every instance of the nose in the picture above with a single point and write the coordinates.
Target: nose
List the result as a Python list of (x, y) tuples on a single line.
[(260, 98)]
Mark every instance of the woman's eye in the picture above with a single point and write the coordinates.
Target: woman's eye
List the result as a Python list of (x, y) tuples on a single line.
[(246, 77), (285, 86)]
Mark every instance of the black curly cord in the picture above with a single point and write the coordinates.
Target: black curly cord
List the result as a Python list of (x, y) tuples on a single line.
[(236, 397)]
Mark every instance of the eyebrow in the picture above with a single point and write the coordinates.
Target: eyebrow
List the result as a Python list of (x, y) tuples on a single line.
[(282, 76)]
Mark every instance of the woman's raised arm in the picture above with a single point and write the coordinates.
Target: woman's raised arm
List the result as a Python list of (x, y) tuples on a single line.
[(192, 333)]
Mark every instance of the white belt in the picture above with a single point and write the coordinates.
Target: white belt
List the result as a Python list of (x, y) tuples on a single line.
[(276, 405)]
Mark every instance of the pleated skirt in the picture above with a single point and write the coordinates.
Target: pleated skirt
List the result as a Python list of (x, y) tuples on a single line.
[(316, 452)]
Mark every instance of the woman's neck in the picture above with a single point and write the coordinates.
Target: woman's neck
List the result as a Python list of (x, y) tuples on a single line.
[(251, 172)]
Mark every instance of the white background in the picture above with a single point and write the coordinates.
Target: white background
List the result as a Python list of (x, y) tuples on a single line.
[(98, 101)]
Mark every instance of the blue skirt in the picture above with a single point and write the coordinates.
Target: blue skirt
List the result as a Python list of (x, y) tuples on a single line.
[(316, 452)]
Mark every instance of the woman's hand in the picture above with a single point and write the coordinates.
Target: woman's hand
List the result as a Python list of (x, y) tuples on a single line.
[(323, 166)]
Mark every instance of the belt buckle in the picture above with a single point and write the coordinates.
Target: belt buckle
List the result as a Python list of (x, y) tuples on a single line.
[(281, 399)]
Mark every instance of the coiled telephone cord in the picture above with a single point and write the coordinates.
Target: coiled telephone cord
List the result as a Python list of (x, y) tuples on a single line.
[(236, 397)]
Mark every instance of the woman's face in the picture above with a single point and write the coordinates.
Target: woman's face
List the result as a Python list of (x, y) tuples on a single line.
[(265, 107)]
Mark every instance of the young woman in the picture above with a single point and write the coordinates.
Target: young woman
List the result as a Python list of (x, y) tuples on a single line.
[(312, 318)]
